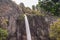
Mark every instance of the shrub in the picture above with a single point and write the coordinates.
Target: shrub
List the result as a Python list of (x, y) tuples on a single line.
[(3, 34), (55, 30)]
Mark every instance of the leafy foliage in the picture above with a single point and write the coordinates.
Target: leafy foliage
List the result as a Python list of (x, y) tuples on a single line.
[(55, 1), (27, 10), (3, 34), (33, 7), (51, 6), (55, 30)]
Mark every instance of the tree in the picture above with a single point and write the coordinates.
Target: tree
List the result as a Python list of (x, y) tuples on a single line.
[(33, 7), (52, 6), (37, 7), (55, 1)]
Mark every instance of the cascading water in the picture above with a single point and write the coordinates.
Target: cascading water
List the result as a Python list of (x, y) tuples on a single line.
[(27, 28)]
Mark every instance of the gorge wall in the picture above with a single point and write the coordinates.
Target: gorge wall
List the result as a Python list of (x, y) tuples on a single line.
[(11, 19), (38, 26)]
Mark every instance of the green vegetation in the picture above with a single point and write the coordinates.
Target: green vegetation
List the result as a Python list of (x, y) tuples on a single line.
[(55, 30), (27, 10), (3, 34), (52, 6), (21, 17)]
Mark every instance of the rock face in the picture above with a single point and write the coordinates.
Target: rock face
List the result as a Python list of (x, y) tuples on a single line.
[(8, 8), (9, 13), (38, 26)]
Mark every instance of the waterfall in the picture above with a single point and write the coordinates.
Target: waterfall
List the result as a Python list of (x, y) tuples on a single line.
[(27, 28)]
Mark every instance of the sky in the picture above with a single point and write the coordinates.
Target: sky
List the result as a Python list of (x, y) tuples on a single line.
[(27, 3)]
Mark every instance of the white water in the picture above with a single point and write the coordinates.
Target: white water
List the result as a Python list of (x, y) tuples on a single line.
[(27, 28)]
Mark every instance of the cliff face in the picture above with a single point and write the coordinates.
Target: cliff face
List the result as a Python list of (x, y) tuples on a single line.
[(38, 26), (9, 13), (8, 8)]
